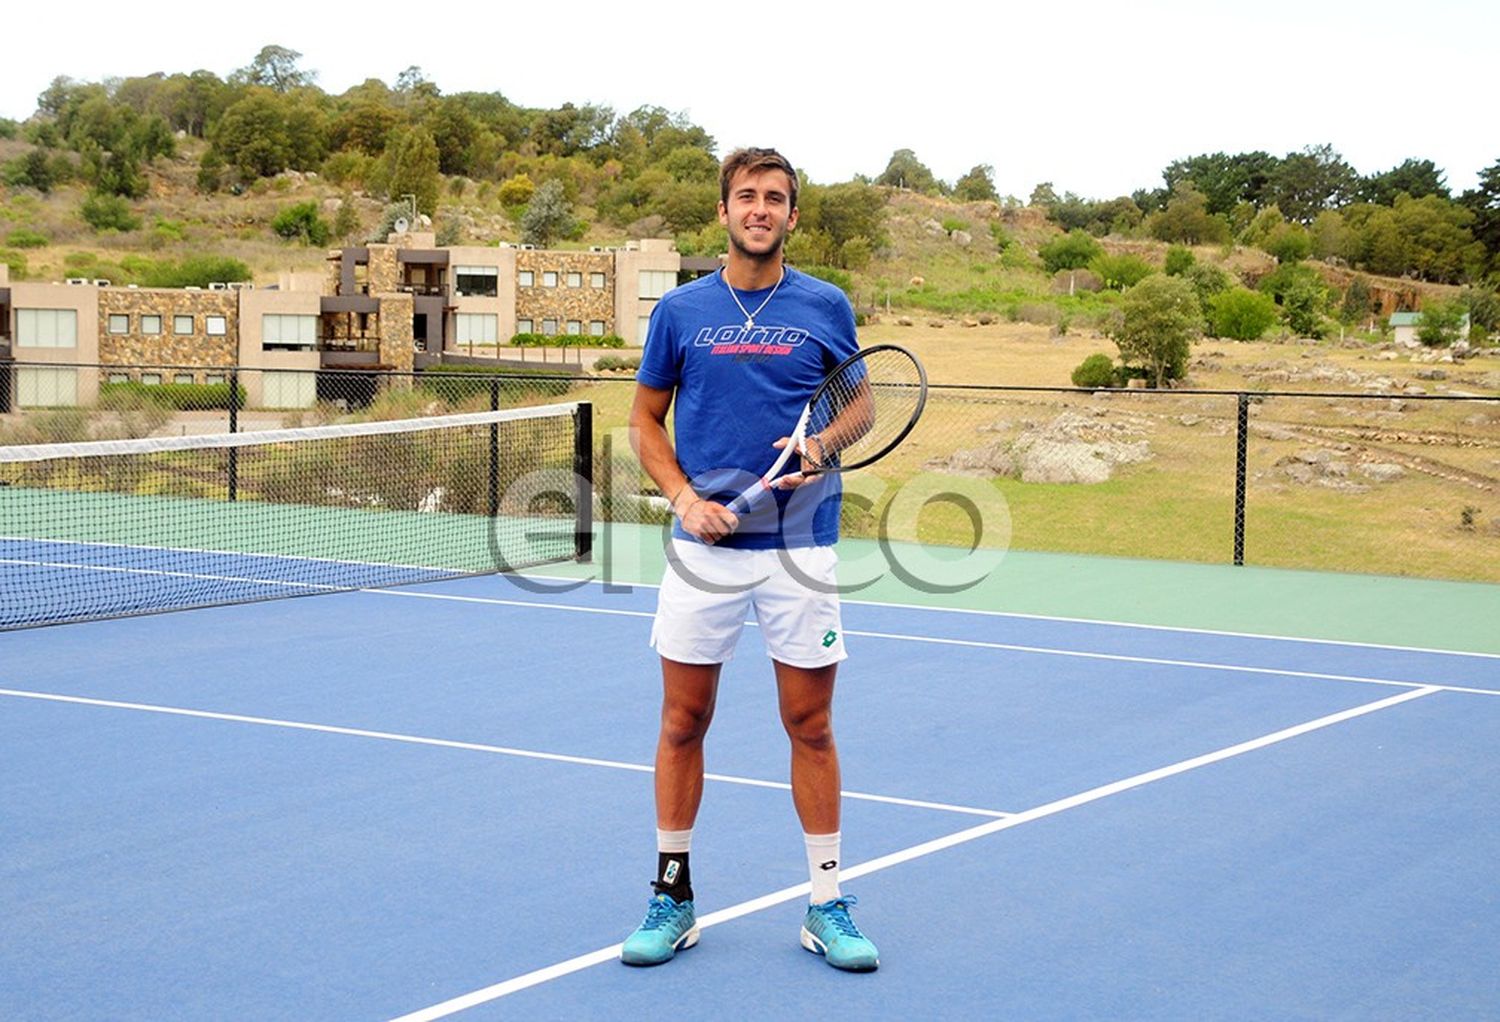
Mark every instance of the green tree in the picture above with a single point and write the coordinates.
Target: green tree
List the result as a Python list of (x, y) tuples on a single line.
[(1225, 180), (252, 136), (1070, 251), (1240, 314), (1357, 302), (1441, 323), (548, 216), (906, 171), (1308, 182), (276, 68), (1043, 196), (1186, 220), (1413, 177), (1483, 202), (1158, 319), (1440, 246), (1289, 243), (978, 185), (515, 191), (410, 167), (1098, 370)]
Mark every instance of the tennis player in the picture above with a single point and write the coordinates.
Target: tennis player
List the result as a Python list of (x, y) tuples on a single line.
[(740, 352)]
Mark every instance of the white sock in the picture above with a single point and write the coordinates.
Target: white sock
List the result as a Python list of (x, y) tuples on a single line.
[(823, 866), (674, 840)]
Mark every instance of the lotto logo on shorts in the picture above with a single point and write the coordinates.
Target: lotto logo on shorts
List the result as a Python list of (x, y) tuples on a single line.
[(829, 638)]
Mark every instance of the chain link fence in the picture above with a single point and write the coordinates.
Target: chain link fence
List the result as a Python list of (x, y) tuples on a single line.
[(1380, 483)]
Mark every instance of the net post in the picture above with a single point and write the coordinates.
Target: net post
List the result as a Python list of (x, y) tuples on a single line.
[(1241, 444), (583, 476), (494, 481), (234, 427)]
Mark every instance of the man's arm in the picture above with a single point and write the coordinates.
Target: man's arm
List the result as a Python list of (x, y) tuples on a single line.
[(704, 519)]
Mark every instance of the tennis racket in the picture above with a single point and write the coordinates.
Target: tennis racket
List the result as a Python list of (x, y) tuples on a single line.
[(860, 412)]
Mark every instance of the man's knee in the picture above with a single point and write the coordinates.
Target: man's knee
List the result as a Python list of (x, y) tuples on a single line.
[(810, 727), (685, 724)]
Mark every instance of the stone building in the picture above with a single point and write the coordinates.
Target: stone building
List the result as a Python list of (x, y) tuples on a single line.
[(396, 306)]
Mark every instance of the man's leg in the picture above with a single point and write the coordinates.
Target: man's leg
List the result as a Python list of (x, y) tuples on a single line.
[(806, 696), (687, 708)]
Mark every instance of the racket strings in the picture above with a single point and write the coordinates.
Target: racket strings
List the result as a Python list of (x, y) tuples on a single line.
[(863, 409)]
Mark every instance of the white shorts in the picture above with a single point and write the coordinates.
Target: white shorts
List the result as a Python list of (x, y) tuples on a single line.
[(708, 593)]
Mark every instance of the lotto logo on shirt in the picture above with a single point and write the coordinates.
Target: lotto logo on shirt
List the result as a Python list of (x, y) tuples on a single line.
[(734, 339)]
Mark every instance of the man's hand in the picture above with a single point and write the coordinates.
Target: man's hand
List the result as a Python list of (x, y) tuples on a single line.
[(706, 520), (813, 457)]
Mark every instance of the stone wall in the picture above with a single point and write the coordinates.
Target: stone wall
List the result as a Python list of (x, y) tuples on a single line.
[(562, 303), (167, 347), (396, 349)]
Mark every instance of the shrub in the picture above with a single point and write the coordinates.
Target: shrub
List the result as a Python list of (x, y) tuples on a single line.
[(16, 261), (302, 221), (838, 278), (108, 213), (951, 224), (23, 238), (1179, 259), (1069, 252), (1095, 371), (457, 384), (1119, 272), (178, 396), (1240, 314), (567, 341), (611, 363)]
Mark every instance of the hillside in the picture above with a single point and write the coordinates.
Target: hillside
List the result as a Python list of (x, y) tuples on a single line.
[(943, 258)]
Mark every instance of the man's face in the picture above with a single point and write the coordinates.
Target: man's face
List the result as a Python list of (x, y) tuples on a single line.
[(759, 212)]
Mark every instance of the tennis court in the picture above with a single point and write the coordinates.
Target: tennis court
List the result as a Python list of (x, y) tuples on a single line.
[(1079, 788)]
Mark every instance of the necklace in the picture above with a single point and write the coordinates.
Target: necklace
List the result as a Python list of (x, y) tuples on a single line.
[(750, 316)]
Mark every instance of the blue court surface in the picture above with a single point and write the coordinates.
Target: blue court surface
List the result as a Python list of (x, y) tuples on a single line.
[(437, 801)]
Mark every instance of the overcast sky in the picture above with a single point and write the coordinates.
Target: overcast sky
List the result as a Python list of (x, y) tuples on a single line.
[(1096, 97)]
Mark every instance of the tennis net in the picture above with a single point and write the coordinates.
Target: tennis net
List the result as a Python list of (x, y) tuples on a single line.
[(120, 527)]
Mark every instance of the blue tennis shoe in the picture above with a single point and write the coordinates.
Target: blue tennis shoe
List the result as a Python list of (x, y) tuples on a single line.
[(669, 927), (828, 930)]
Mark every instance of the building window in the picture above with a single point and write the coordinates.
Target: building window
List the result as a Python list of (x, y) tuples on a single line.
[(288, 390), (526, 278), (655, 283), (151, 379), (213, 378), (182, 325), (119, 377), (479, 281), (549, 278), (281, 330), (215, 326), (523, 326), (575, 327), (575, 280), (150, 325), (119, 324), (477, 328), (549, 327), (596, 328), (183, 378), (46, 387), (596, 280), (46, 328)]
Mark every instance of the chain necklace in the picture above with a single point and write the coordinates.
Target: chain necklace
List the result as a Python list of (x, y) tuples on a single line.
[(750, 316)]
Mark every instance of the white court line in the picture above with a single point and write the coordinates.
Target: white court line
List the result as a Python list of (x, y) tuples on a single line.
[(973, 643), (1081, 621), (445, 743), (551, 972)]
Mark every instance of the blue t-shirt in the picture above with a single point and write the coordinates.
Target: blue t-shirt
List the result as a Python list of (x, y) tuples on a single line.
[(739, 391)]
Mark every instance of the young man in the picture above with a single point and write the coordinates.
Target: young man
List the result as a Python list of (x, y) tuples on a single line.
[(742, 351)]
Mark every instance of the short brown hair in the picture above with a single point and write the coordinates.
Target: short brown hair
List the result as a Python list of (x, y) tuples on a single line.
[(755, 160)]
